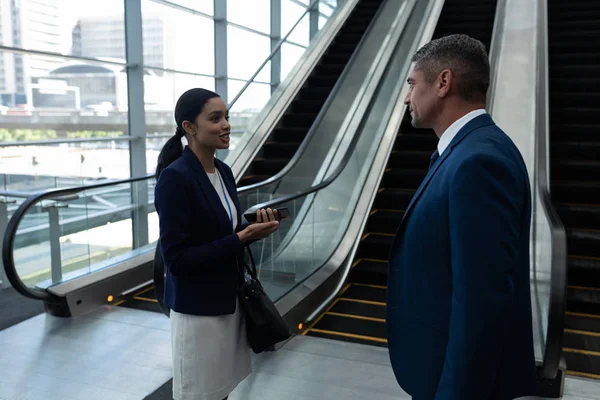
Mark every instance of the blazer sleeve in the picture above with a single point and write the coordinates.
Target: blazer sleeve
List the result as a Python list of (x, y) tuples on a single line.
[(173, 204), (486, 205)]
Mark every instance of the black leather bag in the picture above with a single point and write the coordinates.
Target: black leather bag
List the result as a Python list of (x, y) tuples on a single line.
[(264, 325)]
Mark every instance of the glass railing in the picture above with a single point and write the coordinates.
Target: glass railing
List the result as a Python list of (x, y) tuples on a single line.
[(254, 98), (58, 235), (343, 111), (321, 214)]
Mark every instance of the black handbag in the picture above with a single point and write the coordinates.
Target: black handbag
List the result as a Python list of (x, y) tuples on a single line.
[(264, 325)]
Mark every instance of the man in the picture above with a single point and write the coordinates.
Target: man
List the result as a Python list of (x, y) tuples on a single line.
[(459, 307)]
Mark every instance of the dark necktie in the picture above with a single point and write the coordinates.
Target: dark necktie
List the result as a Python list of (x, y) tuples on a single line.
[(434, 158)]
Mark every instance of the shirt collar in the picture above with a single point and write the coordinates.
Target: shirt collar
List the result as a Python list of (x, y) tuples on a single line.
[(453, 129)]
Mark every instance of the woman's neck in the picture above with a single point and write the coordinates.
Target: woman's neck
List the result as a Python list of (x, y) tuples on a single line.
[(206, 157)]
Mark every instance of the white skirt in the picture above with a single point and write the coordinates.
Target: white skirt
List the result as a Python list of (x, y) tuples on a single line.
[(211, 355)]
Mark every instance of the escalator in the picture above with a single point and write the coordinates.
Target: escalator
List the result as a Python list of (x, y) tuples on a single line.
[(295, 123), (575, 171), (358, 314), (285, 140)]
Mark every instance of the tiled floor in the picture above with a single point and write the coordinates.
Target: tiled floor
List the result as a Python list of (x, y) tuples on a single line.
[(124, 354)]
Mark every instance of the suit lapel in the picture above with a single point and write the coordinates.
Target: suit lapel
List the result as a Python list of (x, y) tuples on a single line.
[(210, 194), (475, 123)]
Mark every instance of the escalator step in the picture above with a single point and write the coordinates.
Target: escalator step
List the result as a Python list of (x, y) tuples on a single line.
[(583, 270), (375, 246), (393, 199), (409, 159), (353, 326), (582, 322), (370, 272), (582, 340), (289, 135), (582, 362), (574, 71), (576, 170), (268, 166), (359, 308), (570, 99), (573, 132), (298, 120), (581, 242), (575, 191), (560, 85), (280, 149), (581, 150), (403, 178), (323, 80), (384, 221), (583, 299), (417, 142), (365, 292), (351, 339), (567, 115), (579, 216), (308, 104)]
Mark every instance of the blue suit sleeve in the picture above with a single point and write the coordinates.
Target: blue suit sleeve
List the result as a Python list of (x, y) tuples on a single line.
[(173, 204), (486, 206)]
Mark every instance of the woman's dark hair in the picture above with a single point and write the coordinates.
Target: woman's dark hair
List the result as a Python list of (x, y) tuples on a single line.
[(189, 105)]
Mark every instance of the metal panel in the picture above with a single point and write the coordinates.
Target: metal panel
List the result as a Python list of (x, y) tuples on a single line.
[(136, 118), (275, 38), (220, 26)]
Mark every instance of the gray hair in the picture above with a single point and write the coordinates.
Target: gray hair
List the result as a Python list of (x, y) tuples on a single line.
[(464, 56)]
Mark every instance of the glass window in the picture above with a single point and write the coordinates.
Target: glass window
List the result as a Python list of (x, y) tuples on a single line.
[(250, 103), (290, 54), (255, 14), (327, 7), (205, 6), (246, 51), (290, 14), (178, 40), (322, 22)]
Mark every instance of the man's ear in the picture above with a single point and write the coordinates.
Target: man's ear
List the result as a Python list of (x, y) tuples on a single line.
[(444, 83)]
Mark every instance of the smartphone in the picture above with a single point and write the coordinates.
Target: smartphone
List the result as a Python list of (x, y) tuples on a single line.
[(282, 213)]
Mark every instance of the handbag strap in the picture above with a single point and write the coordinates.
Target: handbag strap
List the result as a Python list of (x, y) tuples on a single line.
[(251, 271)]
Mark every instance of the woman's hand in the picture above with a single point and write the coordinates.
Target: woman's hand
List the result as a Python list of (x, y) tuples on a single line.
[(266, 223)]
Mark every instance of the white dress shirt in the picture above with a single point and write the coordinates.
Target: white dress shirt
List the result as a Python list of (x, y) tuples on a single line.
[(453, 129)]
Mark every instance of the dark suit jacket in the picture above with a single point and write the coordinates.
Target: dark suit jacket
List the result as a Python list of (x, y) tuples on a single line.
[(203, 257), (458, 307)]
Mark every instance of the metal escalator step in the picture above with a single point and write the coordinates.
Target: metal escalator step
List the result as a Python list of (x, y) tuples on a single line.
[(582, 322), (403, 178), (348, 325), (268, 166), (280, 149), (364, 309), (583, 270), (576, 150), (384, 221), (366, 293), (302, 106), (393, 199), (369, 272), (575, 99), (347, 338), (574, 191), (575, 170), (375, 246), (291, 134), (575, 58), (416, 142), (579, 216), (297, 120), (566, 115), (582, 242), (582, 362)]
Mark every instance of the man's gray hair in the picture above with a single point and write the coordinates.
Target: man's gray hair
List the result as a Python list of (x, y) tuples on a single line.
[(464, 56)]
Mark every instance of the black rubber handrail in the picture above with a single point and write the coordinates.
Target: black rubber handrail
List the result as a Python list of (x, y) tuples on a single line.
[(558, 280), (313, 129), (13, 225)]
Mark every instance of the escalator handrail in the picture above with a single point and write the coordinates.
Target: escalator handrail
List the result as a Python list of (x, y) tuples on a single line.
[(314, 127), (558, 277), (13, 224), (273, 53)]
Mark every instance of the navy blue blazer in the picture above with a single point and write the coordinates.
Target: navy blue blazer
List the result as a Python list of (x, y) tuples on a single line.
[(459, 321), (203, 257)]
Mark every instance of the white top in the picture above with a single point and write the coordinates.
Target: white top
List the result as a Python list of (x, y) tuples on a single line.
[(453, 129), (216, 180)]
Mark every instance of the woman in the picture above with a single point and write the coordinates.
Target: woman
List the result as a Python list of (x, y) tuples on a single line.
[(202, 247)]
